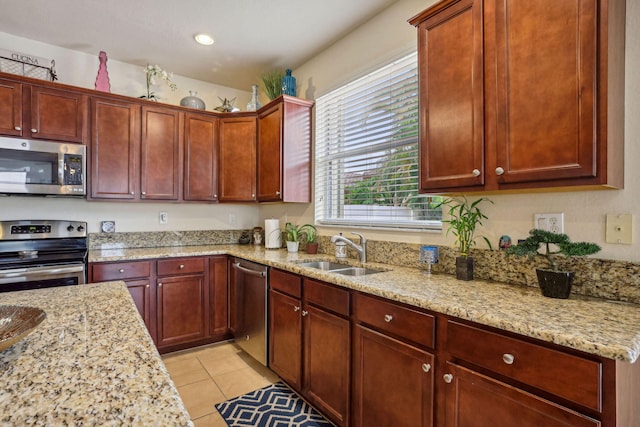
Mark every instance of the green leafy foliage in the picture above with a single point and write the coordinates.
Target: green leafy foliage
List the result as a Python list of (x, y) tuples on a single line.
[(296, 233), (552, 244), (273, 83), (464, 217)]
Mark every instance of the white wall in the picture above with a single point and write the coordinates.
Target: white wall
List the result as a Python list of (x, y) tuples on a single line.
[(388, 36), (80, 69)]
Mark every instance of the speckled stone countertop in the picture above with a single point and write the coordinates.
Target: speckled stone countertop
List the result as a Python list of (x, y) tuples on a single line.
[(606, 328), (91, 362)]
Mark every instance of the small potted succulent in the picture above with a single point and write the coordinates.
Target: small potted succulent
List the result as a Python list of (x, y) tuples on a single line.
[(553, 282), (295, 233), (464, 217)]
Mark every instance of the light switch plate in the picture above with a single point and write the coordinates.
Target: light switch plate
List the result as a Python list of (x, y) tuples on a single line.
[(619, 228)]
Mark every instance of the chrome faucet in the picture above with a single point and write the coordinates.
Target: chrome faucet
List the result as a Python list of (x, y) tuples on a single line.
[(361, 248)]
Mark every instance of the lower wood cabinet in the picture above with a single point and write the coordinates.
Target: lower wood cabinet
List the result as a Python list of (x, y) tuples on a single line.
[(183, 301), (310, 341), (393, 380)]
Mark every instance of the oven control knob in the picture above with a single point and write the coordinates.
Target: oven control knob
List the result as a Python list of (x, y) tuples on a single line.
[(80, 228), (70, 228)]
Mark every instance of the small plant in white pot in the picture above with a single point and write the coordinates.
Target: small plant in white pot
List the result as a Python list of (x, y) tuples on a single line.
[(464, 217), (553, 283), (295, 233)]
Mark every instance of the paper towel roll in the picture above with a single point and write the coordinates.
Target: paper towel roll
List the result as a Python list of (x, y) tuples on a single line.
[(272, 234)]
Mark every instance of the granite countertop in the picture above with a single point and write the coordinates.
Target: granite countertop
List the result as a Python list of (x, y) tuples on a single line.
[(90, 362), (605, 328)]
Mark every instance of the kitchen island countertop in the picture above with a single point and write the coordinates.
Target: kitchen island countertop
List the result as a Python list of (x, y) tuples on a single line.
[(91, 362), (606, 328)]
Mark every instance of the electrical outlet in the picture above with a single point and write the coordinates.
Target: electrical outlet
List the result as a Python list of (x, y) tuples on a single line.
[(553, 222), (164, 218)]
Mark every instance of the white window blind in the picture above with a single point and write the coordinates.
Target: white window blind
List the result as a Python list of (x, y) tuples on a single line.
[(367, 153)]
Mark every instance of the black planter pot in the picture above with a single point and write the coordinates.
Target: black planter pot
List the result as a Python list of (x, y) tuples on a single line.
[(464, 268), (555, 284)]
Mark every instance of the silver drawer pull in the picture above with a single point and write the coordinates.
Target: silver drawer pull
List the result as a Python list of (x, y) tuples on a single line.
[(159, 285), (388, 318), (475, 172), (508, 358), (304, 313), (296, 308), (121, 270), (18, 128), (448, 378), (426, 367), (34, 130), (181, 266), (499, 171)]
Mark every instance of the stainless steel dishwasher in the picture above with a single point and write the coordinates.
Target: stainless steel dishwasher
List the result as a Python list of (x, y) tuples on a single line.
[(249, 308)]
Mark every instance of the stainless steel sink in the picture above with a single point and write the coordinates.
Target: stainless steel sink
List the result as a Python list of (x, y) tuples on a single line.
[(357, 271), (324, 265), (335, 267)]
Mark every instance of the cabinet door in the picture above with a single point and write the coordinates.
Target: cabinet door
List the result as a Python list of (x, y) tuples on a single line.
[(160, 162), (237, 176), (10, 108), (218, 296), (546, 60), (450, 47), (270, 154), (114, 149), (285, 339), (140, 291), (180, 309), (474, 400), (200, 157), (392, 382), (326, 363), (57, 115)]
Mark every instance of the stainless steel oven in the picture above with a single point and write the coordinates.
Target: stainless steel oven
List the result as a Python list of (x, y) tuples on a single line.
[(42, 253)]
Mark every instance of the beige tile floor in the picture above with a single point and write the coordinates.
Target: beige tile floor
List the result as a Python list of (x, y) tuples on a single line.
[(212, 374)]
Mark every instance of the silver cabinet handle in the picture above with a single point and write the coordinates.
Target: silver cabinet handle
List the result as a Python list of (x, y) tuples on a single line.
[(17, 128), (159, 285), (131, 193), (508, 358), (144, 193), (215, 196), (34, 130), (181, 266), (304, 313), (277, 193), (121, 270), (447, 378), (426, 367), (296, 308), (475, 172), (499, 171), (388, 318), (146, 286)]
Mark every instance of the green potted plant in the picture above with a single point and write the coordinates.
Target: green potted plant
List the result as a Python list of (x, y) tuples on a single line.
[(553, 282), (311, 234), (464, 217), (272, 81)]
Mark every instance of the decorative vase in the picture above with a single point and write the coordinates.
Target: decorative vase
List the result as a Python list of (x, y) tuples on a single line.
[(288, 84), (555, 284), (292, 246), (192, 101), (312, 248), (464, 268), (254, 104), (102, 79)]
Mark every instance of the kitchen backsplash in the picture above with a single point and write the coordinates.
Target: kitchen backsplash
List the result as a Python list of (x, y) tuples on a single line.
[(610, 279)]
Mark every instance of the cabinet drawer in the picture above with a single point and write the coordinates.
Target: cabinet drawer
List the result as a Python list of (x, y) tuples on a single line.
[(168, 267), (327, 296), (120, 270), (565, 375), (288, 283), (395, 319)]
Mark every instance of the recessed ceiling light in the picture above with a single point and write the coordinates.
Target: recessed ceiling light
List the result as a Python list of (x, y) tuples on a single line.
[(205, 39)]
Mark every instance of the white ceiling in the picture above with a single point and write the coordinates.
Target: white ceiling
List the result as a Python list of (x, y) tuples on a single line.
[(251, 36)]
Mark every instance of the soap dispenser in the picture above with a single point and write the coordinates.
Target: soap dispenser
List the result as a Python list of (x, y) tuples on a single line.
[(341, 249)]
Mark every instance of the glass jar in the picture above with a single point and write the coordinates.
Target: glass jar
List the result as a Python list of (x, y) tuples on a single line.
[(254, 104)]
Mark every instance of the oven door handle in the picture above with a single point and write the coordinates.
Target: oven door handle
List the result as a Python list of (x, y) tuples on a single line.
[(8, 276)]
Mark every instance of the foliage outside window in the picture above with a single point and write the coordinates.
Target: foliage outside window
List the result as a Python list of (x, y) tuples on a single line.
[(367, 153)]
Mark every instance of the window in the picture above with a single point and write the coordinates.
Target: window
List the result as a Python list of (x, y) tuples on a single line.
[(367, 153)]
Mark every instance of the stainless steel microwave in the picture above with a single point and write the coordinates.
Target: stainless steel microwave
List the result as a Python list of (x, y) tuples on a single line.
[(42, 167)]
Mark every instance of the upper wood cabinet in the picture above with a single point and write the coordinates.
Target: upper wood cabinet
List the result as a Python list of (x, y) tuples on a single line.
[(114, 149), (200, 157), (160, 161), (237, 173), (284, 150), (42, 112), (517, 94)]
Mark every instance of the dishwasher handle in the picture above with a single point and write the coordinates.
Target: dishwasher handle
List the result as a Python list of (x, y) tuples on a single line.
[(237, 266)]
